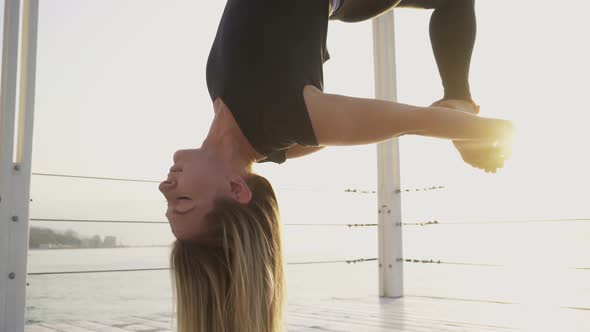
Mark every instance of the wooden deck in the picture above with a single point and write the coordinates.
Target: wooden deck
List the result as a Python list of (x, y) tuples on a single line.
[(370, 314)]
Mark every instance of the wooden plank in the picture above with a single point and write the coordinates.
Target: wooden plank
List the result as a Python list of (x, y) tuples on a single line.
[(65, 327), (142, 328), (372, 314), (382, 314), (335, 324), (403, 310), (38, 328), (155, 323), (94, 326)]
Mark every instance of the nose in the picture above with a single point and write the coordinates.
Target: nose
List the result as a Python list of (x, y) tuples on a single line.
[(166, 186)]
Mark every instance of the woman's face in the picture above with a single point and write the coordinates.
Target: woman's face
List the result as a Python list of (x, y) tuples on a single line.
[(193, 183)]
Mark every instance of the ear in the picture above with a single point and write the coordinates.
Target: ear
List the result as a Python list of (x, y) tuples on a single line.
[(240, 190)]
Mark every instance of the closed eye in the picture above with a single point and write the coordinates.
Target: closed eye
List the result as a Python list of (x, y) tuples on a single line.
[(183, 197)]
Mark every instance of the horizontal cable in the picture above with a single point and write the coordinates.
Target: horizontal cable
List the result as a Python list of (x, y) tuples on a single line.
[(364, 191), (165, 222), (96, 271), (349, 261), (138, 180), (420, 189), (101, 221), (133, 180), (514, 221), (360, 191), (280, 187), (426, 223), (431, 261), (336, 225), (94, 178)]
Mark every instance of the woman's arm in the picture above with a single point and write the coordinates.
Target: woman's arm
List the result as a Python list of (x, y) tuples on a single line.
[(341, 120)]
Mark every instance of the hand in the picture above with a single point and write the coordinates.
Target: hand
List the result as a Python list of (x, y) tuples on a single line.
[(486, 155)]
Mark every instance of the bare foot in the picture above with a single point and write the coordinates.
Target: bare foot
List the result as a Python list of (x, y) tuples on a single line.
[(486, 155)]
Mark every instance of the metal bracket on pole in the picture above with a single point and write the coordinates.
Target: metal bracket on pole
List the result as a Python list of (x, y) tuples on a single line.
[(388, 164), (15, 165)]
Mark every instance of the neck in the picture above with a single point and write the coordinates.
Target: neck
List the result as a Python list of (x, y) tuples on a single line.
[(227, 141)]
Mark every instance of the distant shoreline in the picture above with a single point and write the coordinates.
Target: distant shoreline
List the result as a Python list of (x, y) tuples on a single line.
[(117, 247)]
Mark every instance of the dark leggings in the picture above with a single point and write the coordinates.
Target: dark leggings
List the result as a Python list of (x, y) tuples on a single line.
[(452, 35)]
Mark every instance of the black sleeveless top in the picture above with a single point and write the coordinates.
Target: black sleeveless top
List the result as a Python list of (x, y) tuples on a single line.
[(264, 53)]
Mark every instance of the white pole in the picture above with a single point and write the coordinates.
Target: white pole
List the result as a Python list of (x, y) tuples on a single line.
[(388, 165), (15, 174), (7, 116)]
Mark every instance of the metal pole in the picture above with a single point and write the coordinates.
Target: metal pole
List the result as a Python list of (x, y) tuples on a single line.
[(15, 173), (388, 165), (7, 116)]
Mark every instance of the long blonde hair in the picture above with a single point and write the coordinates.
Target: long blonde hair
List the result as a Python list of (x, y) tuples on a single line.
[(233, 281)]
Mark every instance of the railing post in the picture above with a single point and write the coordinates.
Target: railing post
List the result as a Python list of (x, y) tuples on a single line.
[(388, 164), (15, 165)]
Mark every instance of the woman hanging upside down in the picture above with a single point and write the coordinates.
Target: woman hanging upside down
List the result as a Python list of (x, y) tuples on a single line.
[(265, 79)]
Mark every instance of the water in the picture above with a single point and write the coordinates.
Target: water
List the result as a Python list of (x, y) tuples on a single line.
[(531, 275), (106, 295)]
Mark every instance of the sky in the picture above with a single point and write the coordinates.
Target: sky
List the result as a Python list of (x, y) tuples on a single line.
[(121, 86)]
